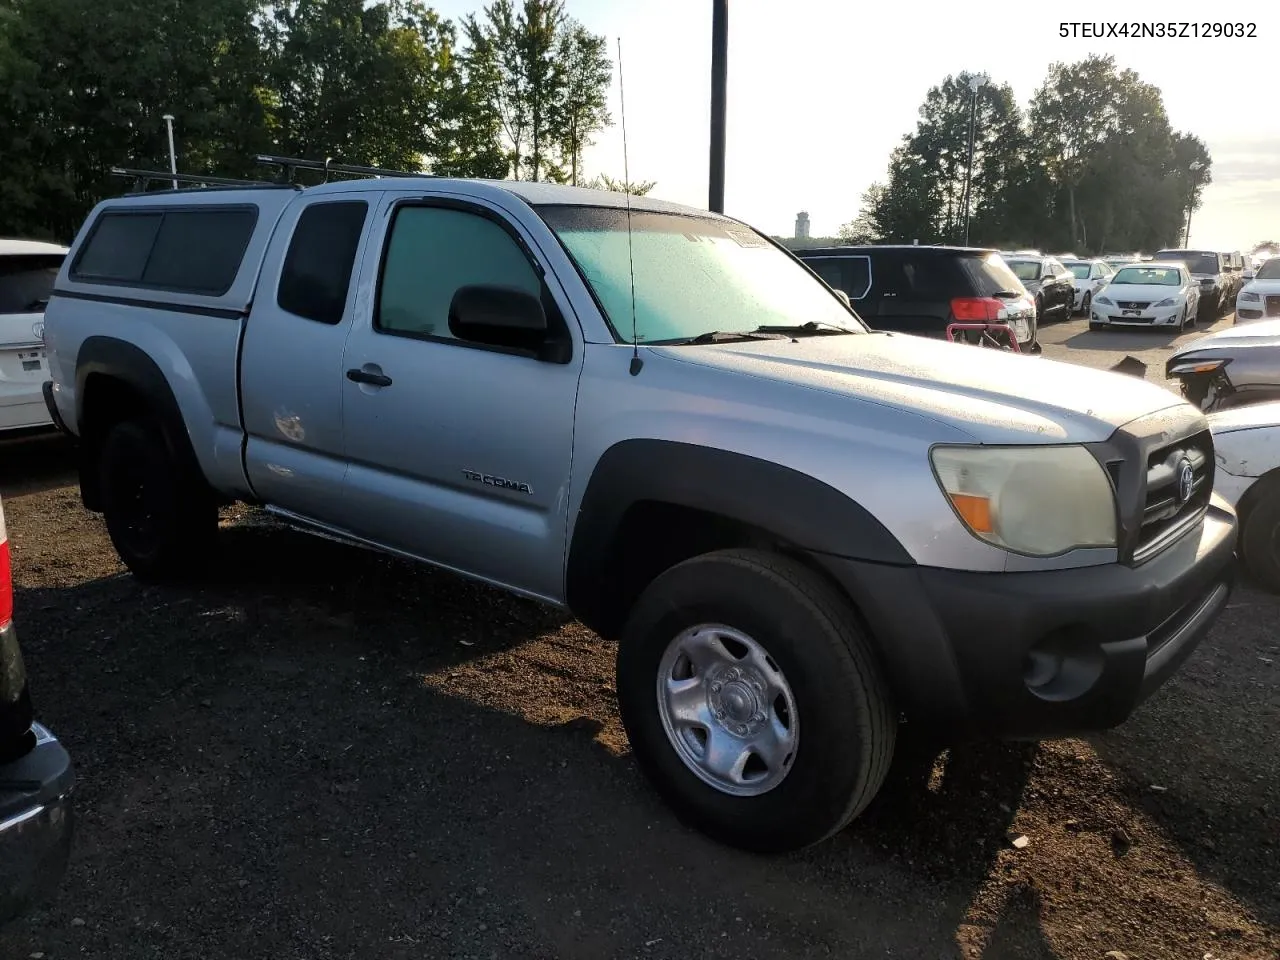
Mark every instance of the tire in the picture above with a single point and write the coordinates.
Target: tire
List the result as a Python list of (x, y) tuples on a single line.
[(835, 700), (161, 521), (1182, 321), (1097, 326), (1260, 537), (1085, 304), (1039, 310)]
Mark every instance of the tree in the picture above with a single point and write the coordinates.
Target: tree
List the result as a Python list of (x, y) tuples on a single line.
[(635, 188), (581, 111)]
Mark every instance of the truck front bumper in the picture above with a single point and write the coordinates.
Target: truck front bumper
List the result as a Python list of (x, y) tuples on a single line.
[(35, 824), (1044, 654)]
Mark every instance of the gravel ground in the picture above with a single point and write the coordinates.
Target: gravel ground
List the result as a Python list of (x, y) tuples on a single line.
[(331, 754)]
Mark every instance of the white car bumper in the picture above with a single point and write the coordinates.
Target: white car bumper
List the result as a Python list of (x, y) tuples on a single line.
[(1113, 316)]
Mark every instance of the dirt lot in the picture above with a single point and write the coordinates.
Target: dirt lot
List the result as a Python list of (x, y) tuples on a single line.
[(330, 754)]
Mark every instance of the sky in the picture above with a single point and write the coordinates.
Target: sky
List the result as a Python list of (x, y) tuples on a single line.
[(820, 92)]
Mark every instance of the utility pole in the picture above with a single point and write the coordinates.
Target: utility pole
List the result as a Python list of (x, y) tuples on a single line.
[(1196, 166), (719, 85), (173, 156), (975, 84)]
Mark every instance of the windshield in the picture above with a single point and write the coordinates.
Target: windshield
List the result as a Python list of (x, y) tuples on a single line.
[(1196, 262), (1148, 276), (1269, 270), (1079, 270), (693, 275), (26, 282), (1025, 269)]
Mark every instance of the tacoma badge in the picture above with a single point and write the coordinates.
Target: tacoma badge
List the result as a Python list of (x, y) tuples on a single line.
[(493, 481)]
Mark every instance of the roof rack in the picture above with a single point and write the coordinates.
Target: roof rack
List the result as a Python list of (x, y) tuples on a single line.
[(142, 180), (290, 165)]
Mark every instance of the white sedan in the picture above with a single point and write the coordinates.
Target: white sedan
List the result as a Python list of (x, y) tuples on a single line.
[(1260, 297), (1090, 277), (1246, 442), (1156, 294), (27, 272)]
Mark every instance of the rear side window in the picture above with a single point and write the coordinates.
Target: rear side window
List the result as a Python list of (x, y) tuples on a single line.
[(322, 253), (850, 274), (930, 278), (26, 282), (197, 250)]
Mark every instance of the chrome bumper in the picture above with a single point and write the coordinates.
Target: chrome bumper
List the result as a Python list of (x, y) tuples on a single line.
[(35, 824)]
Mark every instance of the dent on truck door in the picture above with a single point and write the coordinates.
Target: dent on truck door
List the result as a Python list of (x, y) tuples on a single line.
[(458, 452), (291, 363)]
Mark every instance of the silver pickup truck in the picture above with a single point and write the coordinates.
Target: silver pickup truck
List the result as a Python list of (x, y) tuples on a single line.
[(800, 532)]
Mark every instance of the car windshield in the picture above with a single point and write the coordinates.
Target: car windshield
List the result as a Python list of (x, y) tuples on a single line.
[(1079, 270), (1196, 262), (1148, 276), (26, 282), (1269, 270), (1025, 269), (693, 275)]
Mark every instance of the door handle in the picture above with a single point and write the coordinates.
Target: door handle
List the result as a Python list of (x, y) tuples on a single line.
[(356, 375)]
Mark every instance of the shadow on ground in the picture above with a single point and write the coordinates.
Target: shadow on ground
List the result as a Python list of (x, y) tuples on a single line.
[(35, 463), (265, 773)]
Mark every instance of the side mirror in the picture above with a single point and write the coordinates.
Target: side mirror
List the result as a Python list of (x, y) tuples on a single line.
[(503, 317), (845, 297)]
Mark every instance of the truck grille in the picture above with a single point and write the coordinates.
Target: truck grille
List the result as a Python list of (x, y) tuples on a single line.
[(1273, 306), (1178, 484)]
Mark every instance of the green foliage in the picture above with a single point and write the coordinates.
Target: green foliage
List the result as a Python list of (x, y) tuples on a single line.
[(84, 86), (606, 182), (1092, 165)]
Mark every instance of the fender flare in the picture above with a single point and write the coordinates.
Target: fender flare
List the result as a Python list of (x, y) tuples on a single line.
[(804, 511), (130, 365)]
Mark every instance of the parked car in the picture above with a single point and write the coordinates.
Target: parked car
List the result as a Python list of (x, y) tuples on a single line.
[(1147, 295), (1247, 440), (36, 778), (1090, 276), (1210, 271), (1260, 297), (27, 272), (920, 290), (1049, 282), (1235, 268), (1233, 367), (796, 529)]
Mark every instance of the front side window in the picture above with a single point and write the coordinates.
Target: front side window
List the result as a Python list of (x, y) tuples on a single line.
[(26, 281), (692, 274), (434, 251)]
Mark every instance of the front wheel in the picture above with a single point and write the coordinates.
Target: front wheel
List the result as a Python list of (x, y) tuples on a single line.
[(161, 521), (1086, 305), (753, 701), (1260, 537)]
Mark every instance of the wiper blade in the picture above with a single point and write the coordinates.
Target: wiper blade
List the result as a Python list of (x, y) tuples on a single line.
[(1007, 294), (813, 326), (723, 336)]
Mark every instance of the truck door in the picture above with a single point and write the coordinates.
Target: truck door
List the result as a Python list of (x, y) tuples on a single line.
[(459, 451), (291, 359)]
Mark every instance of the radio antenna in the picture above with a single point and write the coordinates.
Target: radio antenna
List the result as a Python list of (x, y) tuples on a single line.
[(636, 362)]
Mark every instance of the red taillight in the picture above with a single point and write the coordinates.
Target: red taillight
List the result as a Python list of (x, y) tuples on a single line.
[(976, 309)]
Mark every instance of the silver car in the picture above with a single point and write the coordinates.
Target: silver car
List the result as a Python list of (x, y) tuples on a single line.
[(1230, 368)]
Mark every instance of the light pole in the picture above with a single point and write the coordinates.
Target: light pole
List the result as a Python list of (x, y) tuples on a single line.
[(975, 84), (173, 156), (1186, 239), (719, 83)]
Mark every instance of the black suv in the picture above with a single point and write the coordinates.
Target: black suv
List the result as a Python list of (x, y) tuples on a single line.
[(1212, 272), (920, 290), (35, 777)]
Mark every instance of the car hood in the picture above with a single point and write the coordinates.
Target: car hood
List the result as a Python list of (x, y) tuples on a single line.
[(1262, 287), (992, 395), (1264, 333), (1249, 416), (1149, 293)]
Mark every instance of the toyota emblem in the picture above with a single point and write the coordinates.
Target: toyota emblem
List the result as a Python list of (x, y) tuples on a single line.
[(1186, 480)]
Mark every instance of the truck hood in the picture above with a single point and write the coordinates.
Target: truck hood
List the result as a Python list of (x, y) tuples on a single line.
[(992, 395)]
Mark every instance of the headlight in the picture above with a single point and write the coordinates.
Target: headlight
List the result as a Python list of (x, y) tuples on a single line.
[(1104, 300), (1040, 501), (1251, 297), (1169, 302)]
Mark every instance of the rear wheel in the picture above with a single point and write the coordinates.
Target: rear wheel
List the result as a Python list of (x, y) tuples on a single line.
[(1260, 537), (753, 701), (162, 522)]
